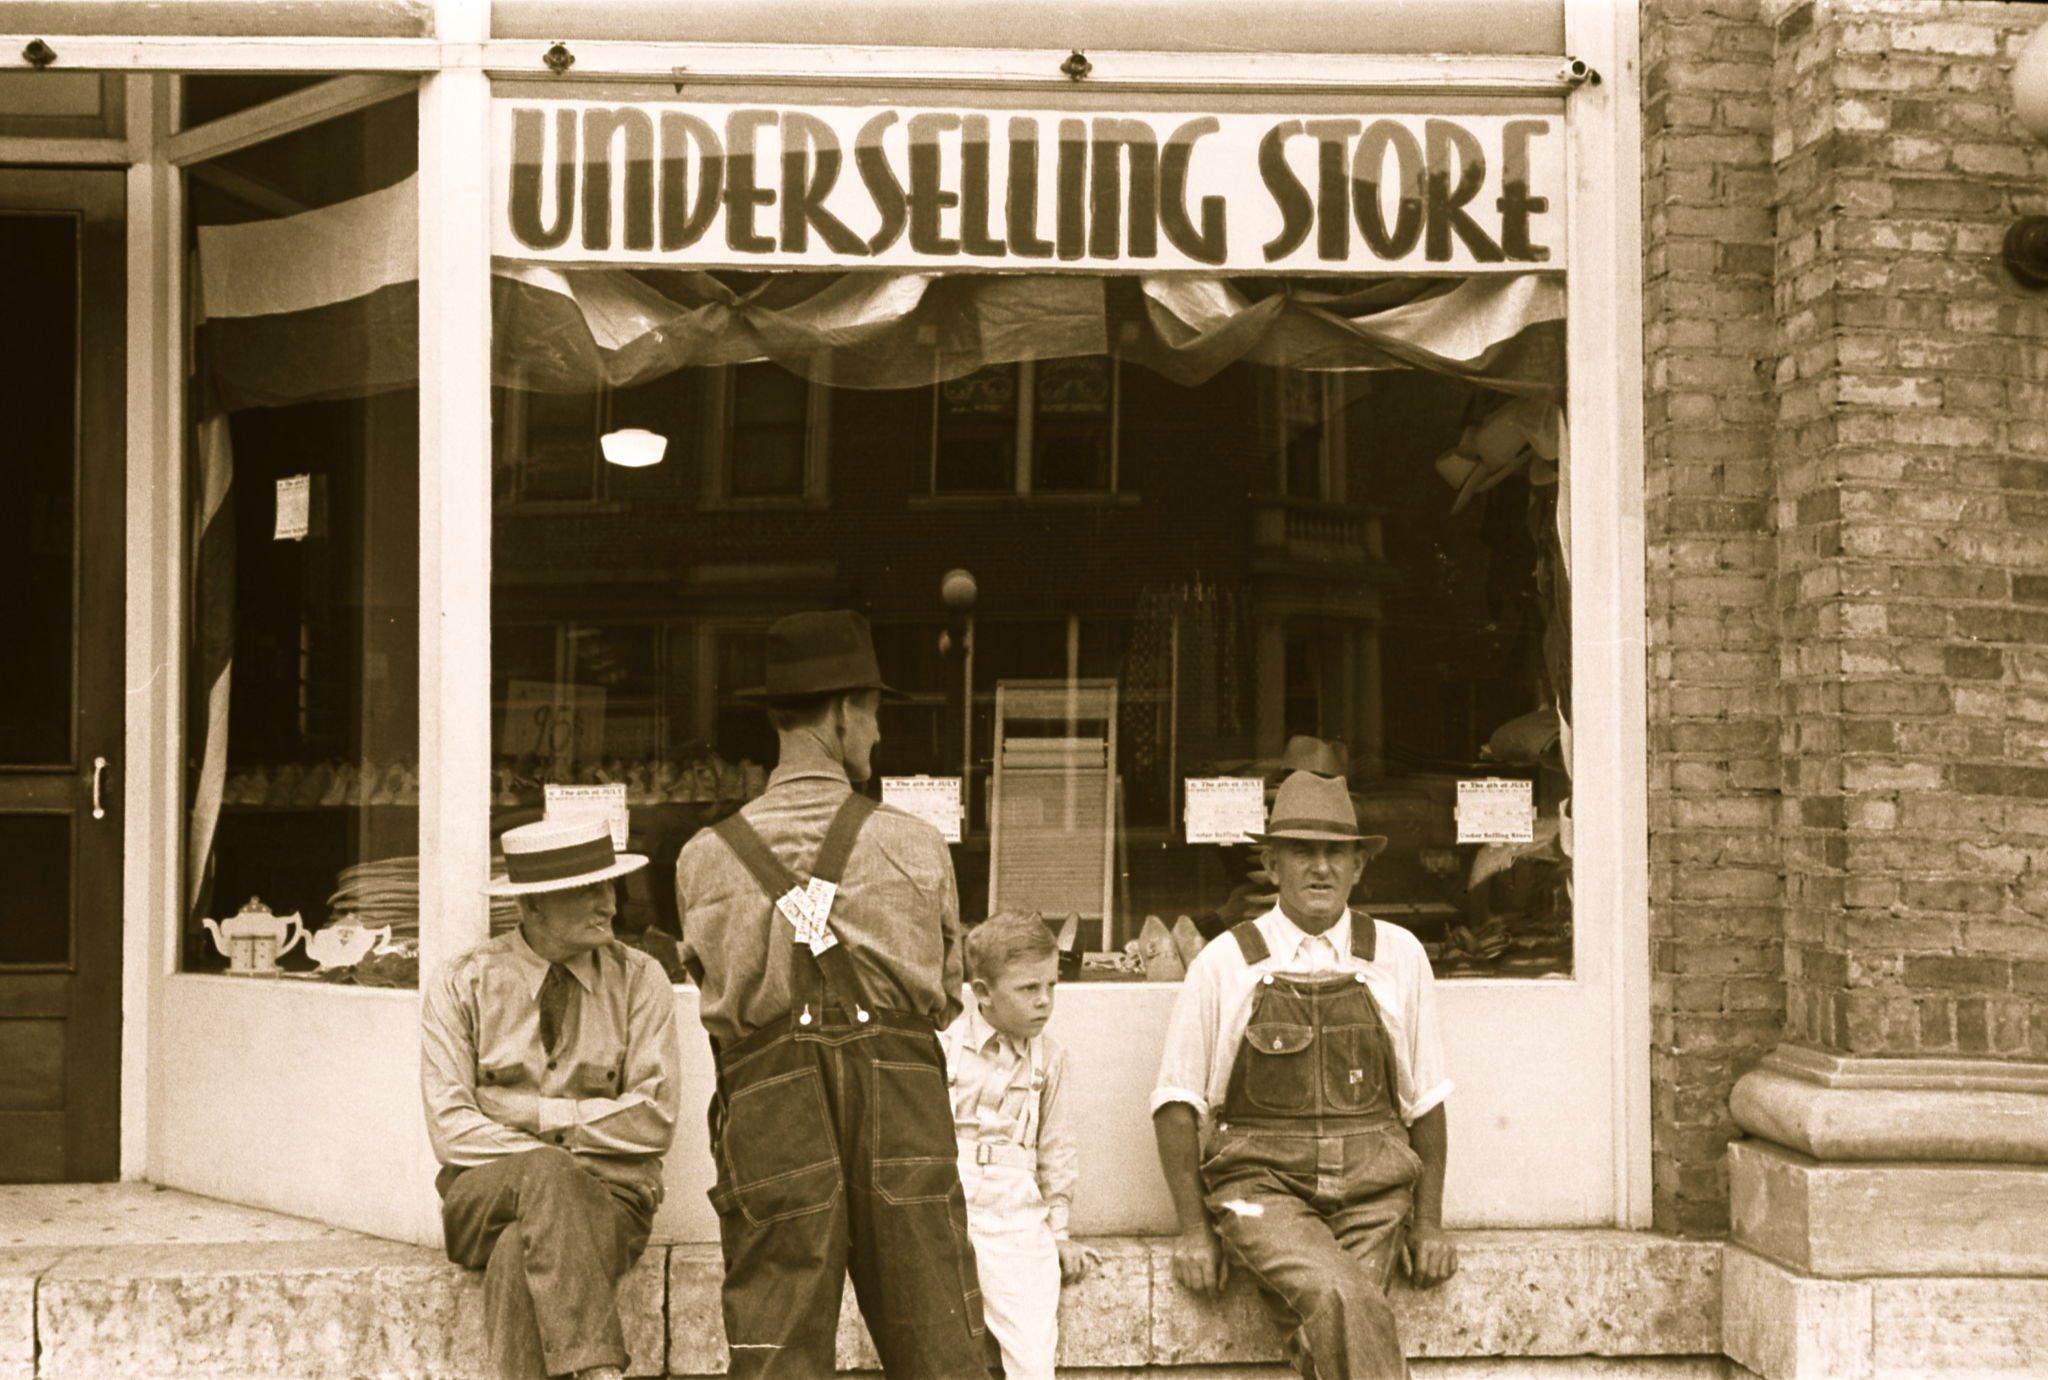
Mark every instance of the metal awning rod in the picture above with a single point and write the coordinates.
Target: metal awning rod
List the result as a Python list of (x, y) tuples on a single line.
[(1531, 74)]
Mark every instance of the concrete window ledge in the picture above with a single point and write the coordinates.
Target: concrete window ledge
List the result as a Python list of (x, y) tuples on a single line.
[(360, 1306)]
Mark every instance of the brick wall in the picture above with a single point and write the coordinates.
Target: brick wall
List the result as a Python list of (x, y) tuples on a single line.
[(1716, 891), (1912, 456), (1847, 504)]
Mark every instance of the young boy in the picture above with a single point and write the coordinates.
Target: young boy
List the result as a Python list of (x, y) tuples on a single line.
[(1017, 1146)]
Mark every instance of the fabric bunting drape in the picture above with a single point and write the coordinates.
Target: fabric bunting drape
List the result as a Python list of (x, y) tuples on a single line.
[(325, 304), (213, 646)]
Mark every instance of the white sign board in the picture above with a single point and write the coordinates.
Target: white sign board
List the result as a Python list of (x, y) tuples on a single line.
[(294, 507), (1224, 809), (934, 799), (1496, 810), (765, 185), (606, 800)]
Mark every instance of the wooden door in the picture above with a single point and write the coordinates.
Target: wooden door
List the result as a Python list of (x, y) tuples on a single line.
[(63, 571)]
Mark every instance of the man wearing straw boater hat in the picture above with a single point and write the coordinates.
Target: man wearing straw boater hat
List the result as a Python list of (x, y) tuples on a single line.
[(1299, 1109), (549, 1063), (825, 933)]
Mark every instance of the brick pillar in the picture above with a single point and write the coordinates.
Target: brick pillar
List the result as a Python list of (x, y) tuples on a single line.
[(1891, 1208), (1714, 878)]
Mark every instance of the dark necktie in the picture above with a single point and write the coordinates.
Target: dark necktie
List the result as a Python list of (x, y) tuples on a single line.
[(554, 1004)]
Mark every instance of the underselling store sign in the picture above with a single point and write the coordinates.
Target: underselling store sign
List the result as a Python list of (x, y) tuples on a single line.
[(767, 186)]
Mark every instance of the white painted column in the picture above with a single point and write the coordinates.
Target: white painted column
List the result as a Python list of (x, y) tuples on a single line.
[(455, 495), (1604, 509), (152, 784)]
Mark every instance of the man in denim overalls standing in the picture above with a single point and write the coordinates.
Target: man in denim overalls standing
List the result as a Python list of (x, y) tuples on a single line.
[(824, 932), (1299, 1108)]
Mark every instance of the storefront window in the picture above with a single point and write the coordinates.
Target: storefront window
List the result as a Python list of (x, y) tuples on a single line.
[(1130, 542), (303, 474), (1195, 631)]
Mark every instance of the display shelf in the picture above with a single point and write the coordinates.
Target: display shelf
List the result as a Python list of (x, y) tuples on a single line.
[(314, 809)]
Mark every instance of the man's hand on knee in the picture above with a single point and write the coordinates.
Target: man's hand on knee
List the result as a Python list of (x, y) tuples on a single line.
[(1199, 1263), (1429, 1256)]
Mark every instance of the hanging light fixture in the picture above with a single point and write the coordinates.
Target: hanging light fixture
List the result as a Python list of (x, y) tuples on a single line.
[(633, 447)]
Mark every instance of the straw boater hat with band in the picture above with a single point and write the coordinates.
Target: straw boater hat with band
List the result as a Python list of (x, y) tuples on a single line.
[(559, 855), (1317, 809), (822, 653)]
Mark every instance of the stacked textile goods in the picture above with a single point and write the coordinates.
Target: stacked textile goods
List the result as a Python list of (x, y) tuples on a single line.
[(387, 892), (330, 783), (653, 781)]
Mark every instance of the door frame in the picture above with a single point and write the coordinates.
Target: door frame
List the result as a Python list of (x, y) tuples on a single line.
[(86, 988)]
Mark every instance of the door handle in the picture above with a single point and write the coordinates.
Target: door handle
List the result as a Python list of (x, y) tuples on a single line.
[(99, 781)]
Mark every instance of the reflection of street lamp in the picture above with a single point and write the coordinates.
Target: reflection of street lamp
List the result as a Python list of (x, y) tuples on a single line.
[(958, 591)]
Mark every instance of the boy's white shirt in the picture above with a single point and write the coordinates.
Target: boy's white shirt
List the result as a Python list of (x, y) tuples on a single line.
[(984, 1071)]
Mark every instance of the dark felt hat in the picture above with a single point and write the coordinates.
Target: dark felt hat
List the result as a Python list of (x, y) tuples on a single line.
[(820, 653), (1317, 809)]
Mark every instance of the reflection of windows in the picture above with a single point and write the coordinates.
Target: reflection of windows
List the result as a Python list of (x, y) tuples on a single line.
[(1306, 422), (1044, 426), (547, 445), (766, 431), (576, 694), (736, 658)]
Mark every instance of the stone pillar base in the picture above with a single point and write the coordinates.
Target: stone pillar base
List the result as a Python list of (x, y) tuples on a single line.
[(1890, 1219)]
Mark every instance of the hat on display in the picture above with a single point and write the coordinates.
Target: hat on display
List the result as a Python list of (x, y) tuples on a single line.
[(560, 854), (1524, 432), (1317, 809), (1323, 756), (820, 653)]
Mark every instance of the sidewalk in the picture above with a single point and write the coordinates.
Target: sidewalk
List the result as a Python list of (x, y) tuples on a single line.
[(101, 1282)]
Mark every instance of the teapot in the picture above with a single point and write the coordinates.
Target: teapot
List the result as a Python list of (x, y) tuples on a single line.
[(253, 940), (343, 945)]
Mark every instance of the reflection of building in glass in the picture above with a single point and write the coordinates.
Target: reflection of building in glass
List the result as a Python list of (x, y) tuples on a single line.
[(1264, 554)]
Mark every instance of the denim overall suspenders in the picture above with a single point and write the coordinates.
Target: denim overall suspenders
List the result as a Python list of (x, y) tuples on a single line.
[(1308, 1175), (832, 1134), (1314, 1050)]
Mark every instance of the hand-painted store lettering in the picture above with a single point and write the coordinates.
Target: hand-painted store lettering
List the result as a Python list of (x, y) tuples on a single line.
[(694, 183)]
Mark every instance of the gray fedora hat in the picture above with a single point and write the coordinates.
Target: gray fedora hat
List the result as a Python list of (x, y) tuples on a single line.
[(1317, 809), (821, 653)]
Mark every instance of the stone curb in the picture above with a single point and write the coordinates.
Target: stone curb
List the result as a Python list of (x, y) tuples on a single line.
[(364, 1307), (1517, 1293)]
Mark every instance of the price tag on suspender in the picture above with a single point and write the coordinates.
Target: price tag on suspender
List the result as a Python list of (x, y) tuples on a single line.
[(802, 907)]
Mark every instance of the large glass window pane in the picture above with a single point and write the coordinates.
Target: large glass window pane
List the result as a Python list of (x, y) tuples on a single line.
[(1367, 558), (35, 917), (38, 392), (304, 482)]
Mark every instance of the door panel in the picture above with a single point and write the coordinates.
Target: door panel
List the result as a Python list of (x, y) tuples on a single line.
[(62, 560)]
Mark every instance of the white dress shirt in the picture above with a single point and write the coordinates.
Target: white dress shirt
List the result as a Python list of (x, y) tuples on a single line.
[(1215, 1005)]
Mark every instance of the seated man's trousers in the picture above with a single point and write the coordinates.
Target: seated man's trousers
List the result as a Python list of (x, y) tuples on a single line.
[(553, 1241), (1317, 1221)]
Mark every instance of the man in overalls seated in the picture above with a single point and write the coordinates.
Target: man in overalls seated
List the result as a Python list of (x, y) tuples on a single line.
[(824, 932), (1299, 1109)]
